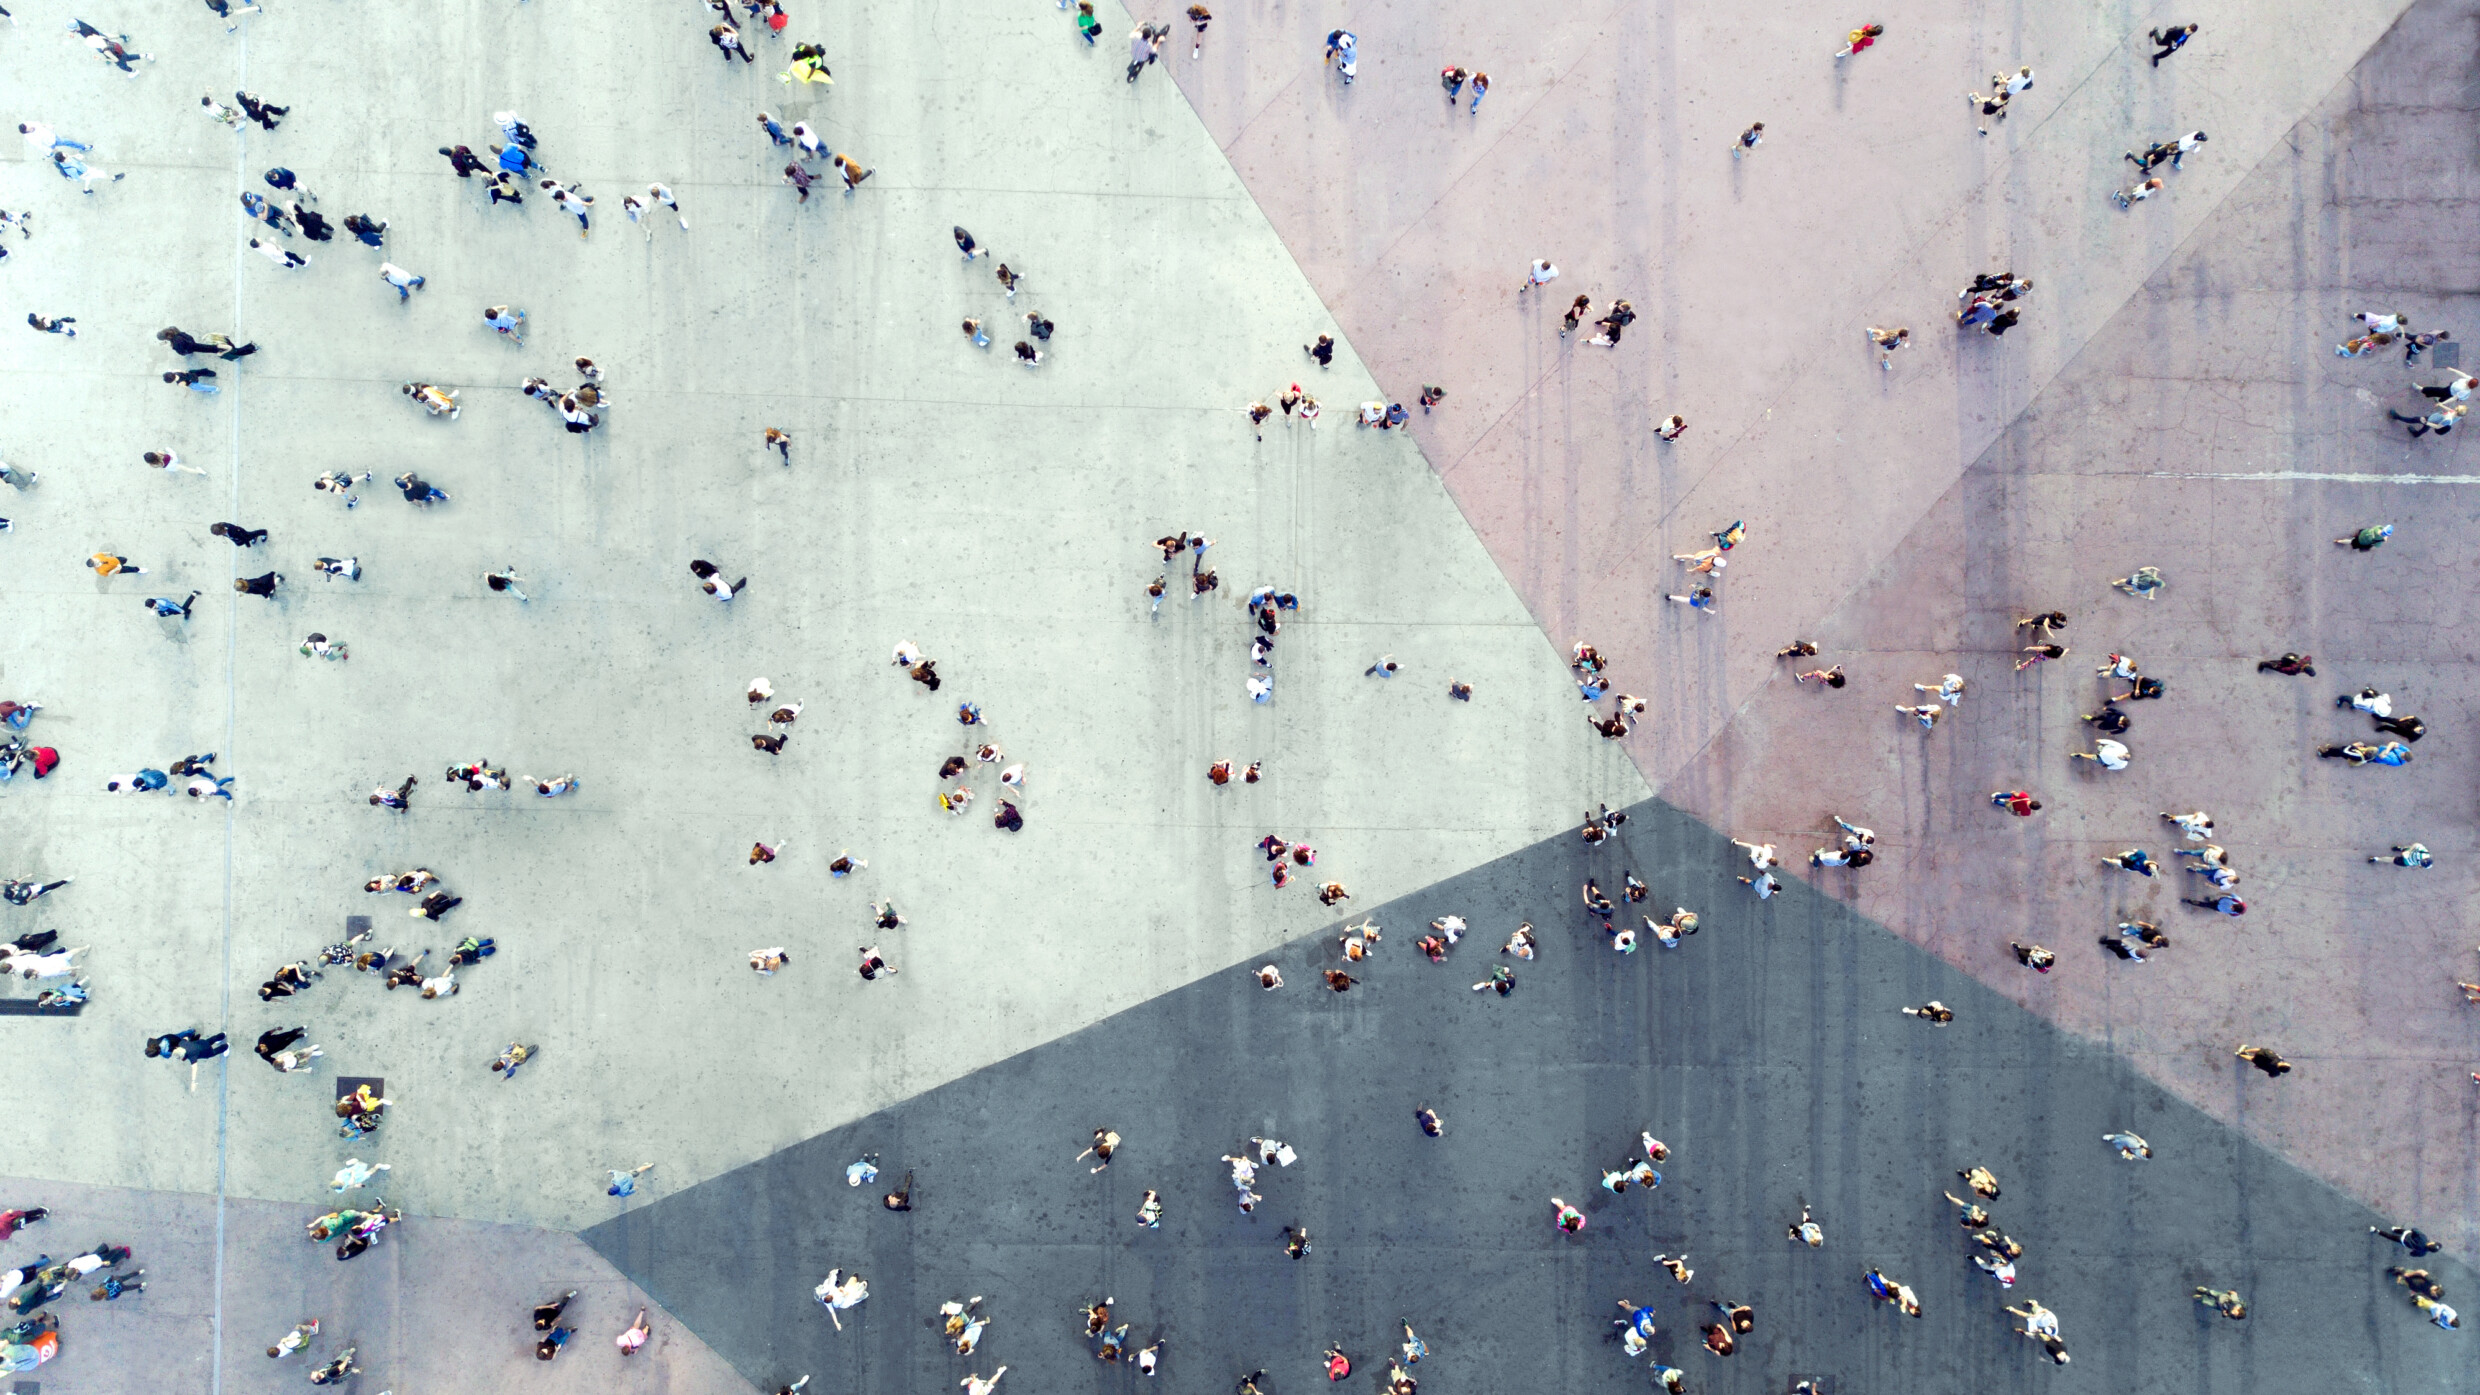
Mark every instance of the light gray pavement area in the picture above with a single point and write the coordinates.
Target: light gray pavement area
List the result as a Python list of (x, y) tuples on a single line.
[(433, 1304), (2222, 366), (2192, 333), (999, 518)]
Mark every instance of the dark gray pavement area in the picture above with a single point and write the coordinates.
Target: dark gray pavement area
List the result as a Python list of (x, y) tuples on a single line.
[(1768, 1052)]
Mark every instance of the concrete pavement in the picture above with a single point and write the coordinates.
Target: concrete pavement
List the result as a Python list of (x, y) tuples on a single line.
[(999, 518), (2189, 334), (1768, 1052)]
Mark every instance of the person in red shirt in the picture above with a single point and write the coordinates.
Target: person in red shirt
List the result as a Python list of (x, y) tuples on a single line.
[(2020, 803)]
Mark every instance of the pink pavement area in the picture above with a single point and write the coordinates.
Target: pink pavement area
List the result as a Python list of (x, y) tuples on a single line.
[(1902, 519)]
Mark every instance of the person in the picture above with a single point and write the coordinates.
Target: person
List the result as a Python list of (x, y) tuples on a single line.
[(710, 580), (635, 1336), (2131, 1148), (2410, 1239), (1887, 1291), (1748, 140), (1613, 324), (19, 892), (1343, 53), (2361, 753), (2108, 754), (2417, 1280), (625, 1183), (2407, 726), (2171, 40), (1144, 47), (2264, 1058), (335, 1372), (2226, 1301), (2367, 539), (1860, 39), (2135, 860), (436, 400), (1887, 341), (2040, 653), (2136, 193)]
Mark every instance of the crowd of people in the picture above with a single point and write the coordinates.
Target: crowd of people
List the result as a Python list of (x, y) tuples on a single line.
[(1991, 303)]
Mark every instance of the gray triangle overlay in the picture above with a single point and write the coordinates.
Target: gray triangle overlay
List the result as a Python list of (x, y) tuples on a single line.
[(1768, 1052)]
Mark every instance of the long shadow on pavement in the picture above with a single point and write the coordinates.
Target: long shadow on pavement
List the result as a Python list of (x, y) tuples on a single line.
[(1768, 1052)]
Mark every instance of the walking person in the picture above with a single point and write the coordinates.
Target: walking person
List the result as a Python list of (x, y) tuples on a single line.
[(260, 110), (2171, 40), (572, 201), (1343, 54), (727, 41), (283, 257)]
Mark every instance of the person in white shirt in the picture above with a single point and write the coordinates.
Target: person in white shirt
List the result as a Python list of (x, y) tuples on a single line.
[(1542, 273), (2112, 755)]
